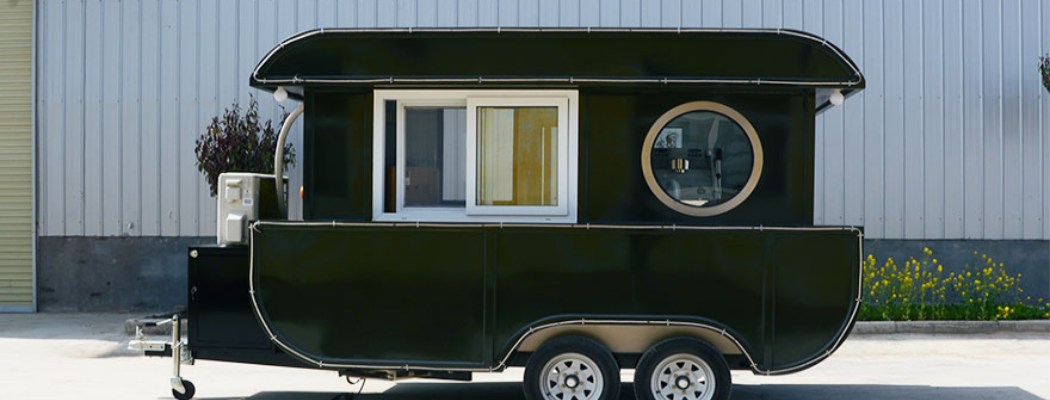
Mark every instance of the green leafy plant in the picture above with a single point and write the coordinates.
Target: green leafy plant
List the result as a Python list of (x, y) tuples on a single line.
[(920, 290), (1044, 68), (236, 142)]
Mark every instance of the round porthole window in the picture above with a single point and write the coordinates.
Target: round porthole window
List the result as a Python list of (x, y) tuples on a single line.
[(702, 158)]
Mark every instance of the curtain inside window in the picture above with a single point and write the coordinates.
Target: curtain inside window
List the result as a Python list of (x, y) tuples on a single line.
[(517, 156)]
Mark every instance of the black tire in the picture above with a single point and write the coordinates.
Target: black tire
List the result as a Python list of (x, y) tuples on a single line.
[(574, 354), (190, 391), (695, 364)]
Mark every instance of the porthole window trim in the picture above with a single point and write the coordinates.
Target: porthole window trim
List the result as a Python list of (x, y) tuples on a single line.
[(732, 114)]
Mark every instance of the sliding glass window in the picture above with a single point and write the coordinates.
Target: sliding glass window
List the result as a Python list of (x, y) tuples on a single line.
[(484, 156)]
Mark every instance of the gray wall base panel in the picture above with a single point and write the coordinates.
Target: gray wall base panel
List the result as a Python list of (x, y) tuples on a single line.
[(1030, 258), (149, 273), (112, 273)]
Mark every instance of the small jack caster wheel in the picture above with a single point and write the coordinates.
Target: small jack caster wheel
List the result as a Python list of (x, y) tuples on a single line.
[(190, 391)]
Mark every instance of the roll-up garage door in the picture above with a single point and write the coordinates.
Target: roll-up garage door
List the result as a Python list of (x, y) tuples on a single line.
[(16, 155)]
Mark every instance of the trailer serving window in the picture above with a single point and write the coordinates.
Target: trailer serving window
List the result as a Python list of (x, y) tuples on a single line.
[(475, 156)]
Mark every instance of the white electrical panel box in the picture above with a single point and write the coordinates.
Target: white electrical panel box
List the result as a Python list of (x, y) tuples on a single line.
[(239, 196)]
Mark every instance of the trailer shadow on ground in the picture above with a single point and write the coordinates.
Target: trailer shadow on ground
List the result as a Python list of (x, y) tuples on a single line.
[(512, 391)]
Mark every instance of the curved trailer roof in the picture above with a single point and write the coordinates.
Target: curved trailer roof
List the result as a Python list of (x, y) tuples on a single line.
[(558, 57)]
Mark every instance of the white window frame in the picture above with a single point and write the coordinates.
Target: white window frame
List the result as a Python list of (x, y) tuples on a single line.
[(567, 102)]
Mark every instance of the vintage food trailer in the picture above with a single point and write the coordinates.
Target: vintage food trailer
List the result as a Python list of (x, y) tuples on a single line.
[(572, 201)]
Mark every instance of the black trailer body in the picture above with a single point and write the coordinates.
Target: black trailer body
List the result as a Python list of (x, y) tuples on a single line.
[(478, 199)]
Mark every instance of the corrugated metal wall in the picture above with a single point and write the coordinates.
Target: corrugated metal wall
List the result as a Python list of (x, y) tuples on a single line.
[(16, 156), (948, 141)]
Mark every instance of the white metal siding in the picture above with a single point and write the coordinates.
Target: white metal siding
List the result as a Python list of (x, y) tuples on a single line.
[(948, 141), (16, 156)]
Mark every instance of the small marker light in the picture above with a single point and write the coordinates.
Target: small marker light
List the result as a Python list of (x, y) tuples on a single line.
[(836, 98), (280, 94)]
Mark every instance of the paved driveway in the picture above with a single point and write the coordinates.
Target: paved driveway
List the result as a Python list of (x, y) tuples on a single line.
[(81, 356)]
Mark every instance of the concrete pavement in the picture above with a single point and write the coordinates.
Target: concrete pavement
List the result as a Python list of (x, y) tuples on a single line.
[(83, 356)]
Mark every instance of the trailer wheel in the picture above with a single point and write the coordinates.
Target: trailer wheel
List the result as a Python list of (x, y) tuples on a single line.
[(572, 368), (190, 391), (682, 369)]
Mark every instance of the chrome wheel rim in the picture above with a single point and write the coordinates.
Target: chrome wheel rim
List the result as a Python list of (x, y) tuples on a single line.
[(571, 376), (683, 377)]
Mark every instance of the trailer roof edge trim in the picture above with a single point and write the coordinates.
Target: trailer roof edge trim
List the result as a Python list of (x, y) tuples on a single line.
[(557, 56)]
